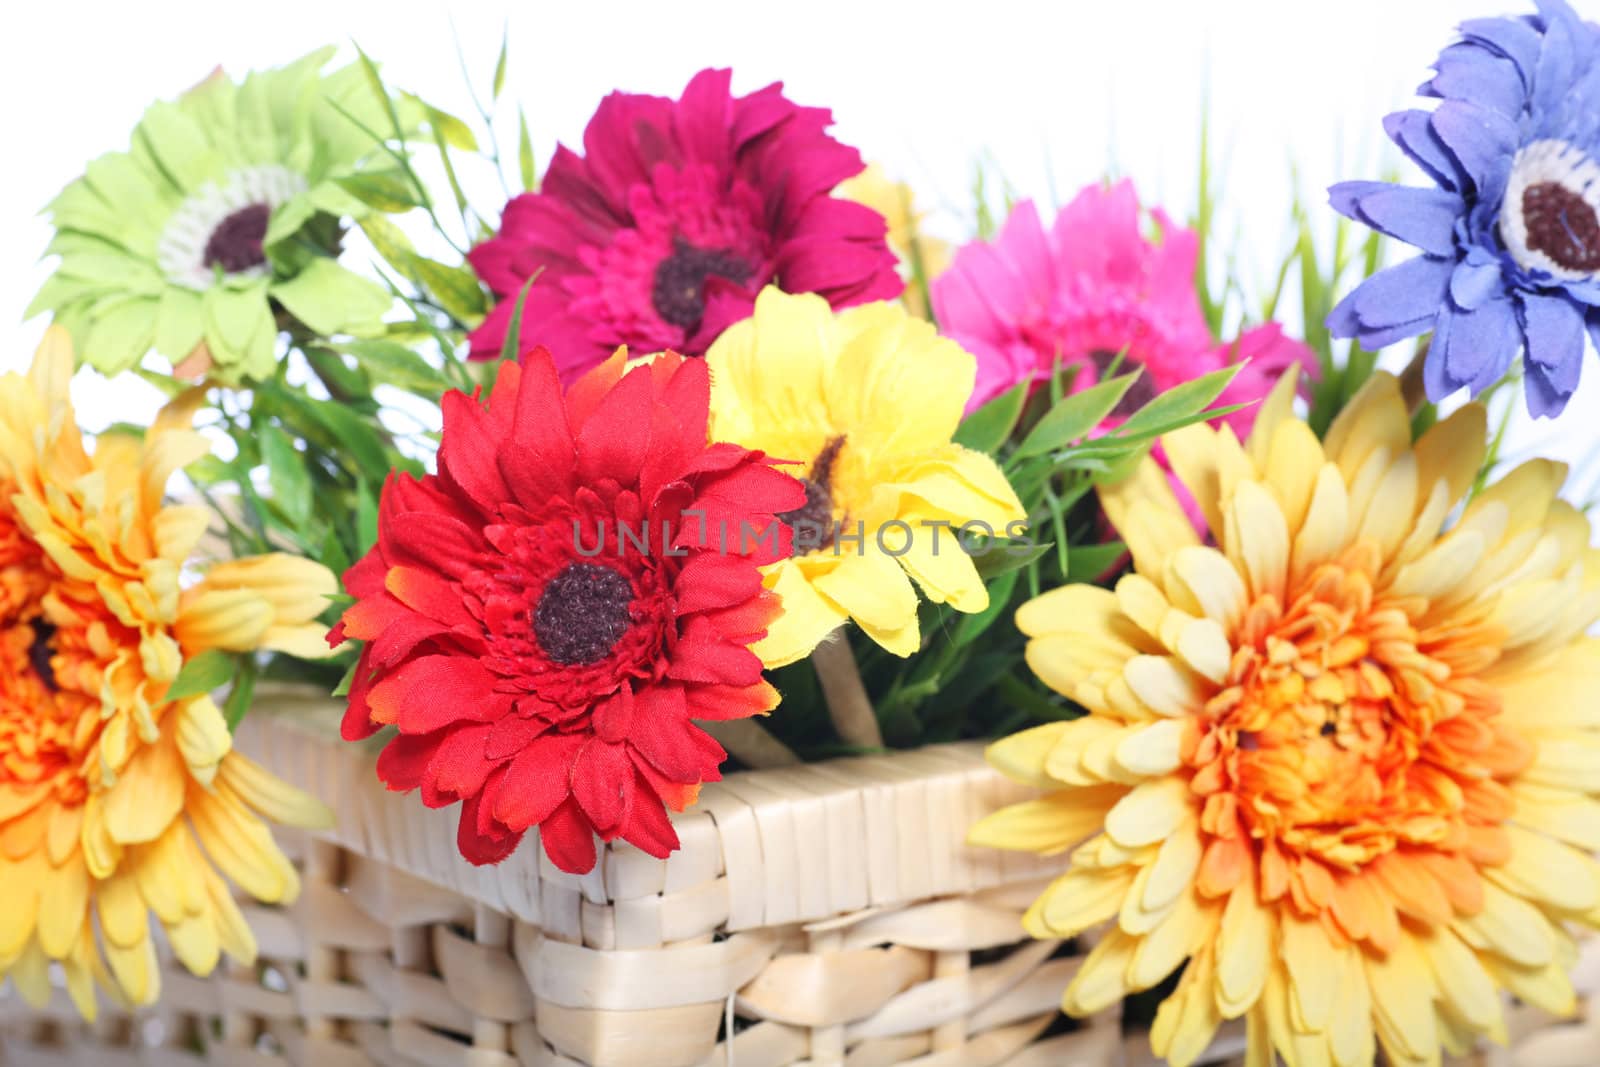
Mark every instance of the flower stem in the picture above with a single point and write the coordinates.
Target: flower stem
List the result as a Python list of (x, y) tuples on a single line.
[(848, 705), (750, 743), (1412, 389)]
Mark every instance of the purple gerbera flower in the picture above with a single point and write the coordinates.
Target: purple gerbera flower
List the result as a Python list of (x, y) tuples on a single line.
[(1510, 238)]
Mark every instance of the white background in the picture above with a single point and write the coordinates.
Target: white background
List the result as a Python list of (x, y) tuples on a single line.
[(1055, 94)]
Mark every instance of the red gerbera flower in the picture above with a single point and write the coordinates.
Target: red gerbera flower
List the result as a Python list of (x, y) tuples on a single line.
[(679, 213), (546, 615)]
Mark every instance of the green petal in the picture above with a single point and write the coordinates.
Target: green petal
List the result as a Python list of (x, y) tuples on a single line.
[(180, 323), (233, 317), (330, 300), (119, 337), (178, 145), (58, 291)]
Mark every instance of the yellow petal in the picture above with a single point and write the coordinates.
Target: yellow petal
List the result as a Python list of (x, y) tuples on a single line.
[(945, 572), (1147, 514), (1048, 825), (1067, 762), (807, 617), (1102, 980), (874, 591), (1291, 468), (242, 847), (230, 619), (1467, 989), (1069, 609), (194, 941), (307, 641), (1403, 992), (1314, 967), (136, 971), (297, 589), (1186, 927), (1244, 950), (1452, 450), (1510, 926), (1258, 539), (63, 904), (1078, 900), (1187, 1020), (1021, 757), (1201, 581), (20, 884), (1326, 529), (1150, 812), (1153, 750), (1375, 419), (203, 737), (1165, 686), (1350, 1034), (1543, 869), (30, 973), (147, 796), (1174, 867)]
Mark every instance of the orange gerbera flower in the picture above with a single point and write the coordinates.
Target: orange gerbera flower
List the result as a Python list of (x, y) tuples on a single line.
[(114, 801), (1343, 763)]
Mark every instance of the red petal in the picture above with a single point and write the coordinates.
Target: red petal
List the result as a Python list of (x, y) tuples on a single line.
[(588, 391), (357, 723), (647, 825), (703, 655), (403, 763), (613, 717), (459, 766), (539, 463), (365, 577), (568, 838), (730, 701), (512, 734), (602, 782), (431, 540), (469, 449), (426, 592), (538, 780), (434, 691), (663, 734), (614, 440), (688, 394), (483, 841), (709, 580)]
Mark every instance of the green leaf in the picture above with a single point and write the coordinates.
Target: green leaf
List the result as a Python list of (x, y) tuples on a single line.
[(456, 134), (1089, 562), (1006, 557), (395, 364), (530, 177), (382, 190), (1075, 416), (450, 175), (500, 64), (972, 627), (286, 473), (455, 288), (343, 688), (990, 426), (391, 243), (203, 674), (208, 470), (366, 518), (511, 347), (244, 690), (1179, 402)]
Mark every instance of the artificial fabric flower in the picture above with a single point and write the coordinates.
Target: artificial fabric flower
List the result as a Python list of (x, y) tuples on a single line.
[(1345, 762), (1510, 236), (546, 616), (189, 241), (897, 204), (115, 802), (1092, 288), (863, 402), (679, 213)]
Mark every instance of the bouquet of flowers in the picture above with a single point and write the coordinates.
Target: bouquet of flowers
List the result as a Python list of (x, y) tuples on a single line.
[(700, 452)]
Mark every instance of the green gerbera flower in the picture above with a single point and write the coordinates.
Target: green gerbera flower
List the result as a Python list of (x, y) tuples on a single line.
[(222, 215)]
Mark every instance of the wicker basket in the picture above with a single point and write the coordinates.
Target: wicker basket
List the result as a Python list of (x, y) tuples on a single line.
[(824, 914)]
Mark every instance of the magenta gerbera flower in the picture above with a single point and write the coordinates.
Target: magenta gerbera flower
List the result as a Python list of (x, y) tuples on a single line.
[(1091, 287), (678, 213)]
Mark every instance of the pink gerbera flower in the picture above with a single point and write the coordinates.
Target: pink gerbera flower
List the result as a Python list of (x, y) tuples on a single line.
[(680, 211), (1092, 287)]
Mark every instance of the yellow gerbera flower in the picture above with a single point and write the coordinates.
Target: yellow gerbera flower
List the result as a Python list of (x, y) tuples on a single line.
[(1345, 762), (114, 801), (865, 401), (897, 204)]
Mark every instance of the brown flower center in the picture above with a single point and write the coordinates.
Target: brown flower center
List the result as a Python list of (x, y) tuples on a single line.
[(679, 290), (235, 244), (40, 651), (582, 614), (1562, 225), (813, 520)]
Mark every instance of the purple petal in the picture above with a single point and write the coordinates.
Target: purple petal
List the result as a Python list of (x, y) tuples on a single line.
[(1422, 217), (1436, 380), (1467, 71), (1555, 330), (1473, 283), (1404, 292), (1512, 38), (1558, 56), (1344, 322), (1481, 141), (1544, 399), (1481, 343), (1412, 132)]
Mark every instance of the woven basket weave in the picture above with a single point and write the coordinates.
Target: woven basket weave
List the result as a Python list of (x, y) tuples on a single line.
[(827, 914)]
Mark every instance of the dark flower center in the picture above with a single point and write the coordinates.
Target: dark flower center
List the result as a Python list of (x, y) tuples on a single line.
[(235, 244), (679, 293), (1139, 393), (582, 614), (1562, 225), (814, 519), (40, 651)]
